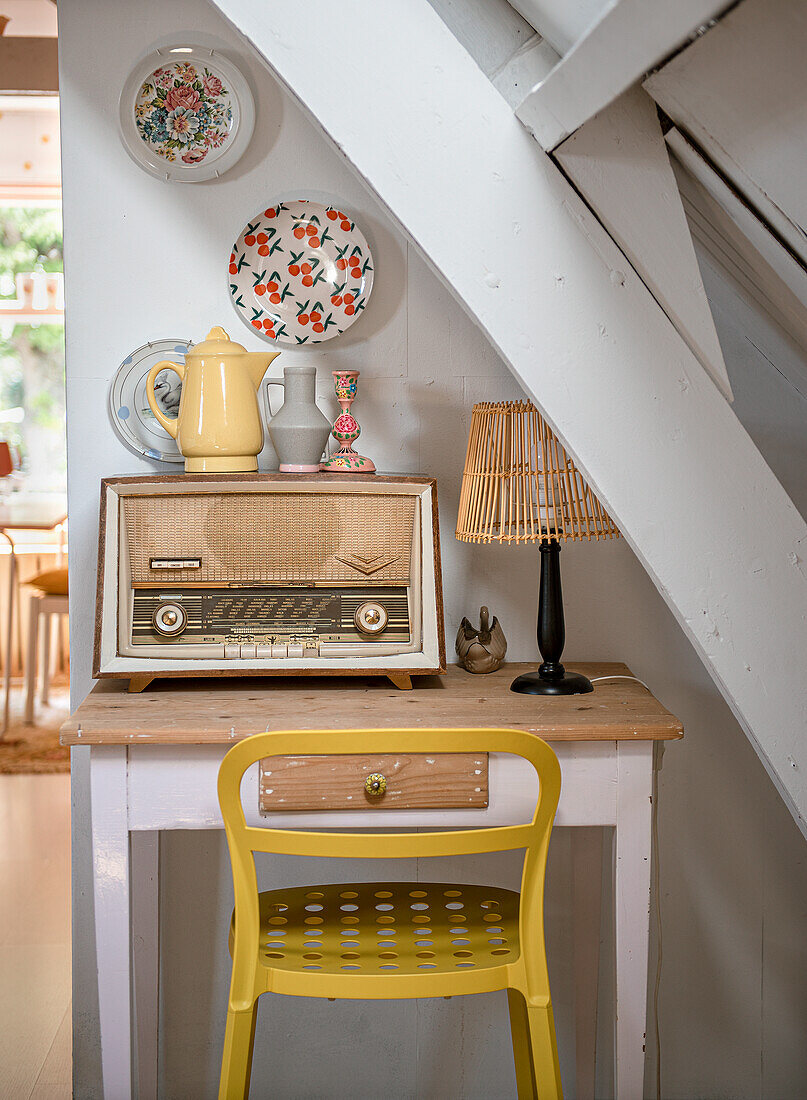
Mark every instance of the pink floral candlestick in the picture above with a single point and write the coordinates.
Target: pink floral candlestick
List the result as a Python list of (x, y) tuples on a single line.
[(346, 429)]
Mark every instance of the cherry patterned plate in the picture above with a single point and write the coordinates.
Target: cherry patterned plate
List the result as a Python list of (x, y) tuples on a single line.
[(300, 273)]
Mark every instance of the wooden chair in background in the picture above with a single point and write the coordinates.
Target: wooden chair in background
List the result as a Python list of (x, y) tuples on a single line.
[(50, 598)]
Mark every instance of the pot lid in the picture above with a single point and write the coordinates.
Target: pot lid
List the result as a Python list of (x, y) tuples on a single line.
[(217, 342)]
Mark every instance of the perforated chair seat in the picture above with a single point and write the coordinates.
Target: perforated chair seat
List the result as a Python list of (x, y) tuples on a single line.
[(386, 940), (388, 927)]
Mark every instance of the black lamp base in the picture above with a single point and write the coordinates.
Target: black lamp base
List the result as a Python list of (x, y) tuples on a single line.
[(551, 678), (570, 683)]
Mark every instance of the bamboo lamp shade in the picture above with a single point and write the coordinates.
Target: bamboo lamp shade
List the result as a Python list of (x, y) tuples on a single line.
[(519, 484)]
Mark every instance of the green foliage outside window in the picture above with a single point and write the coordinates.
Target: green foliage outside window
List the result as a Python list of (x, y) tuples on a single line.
[(32, 355)]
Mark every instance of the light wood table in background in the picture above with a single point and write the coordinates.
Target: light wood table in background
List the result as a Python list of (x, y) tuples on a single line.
[(154, 761), (23, 512)]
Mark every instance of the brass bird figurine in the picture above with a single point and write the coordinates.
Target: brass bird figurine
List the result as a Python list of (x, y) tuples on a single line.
[(481, 650)]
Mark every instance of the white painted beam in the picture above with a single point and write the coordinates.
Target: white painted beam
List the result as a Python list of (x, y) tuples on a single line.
[(740, 243), (490, 30), (534, 61), (531, 265), (740, 93), (618, 160), (630, 37), (561, 22)]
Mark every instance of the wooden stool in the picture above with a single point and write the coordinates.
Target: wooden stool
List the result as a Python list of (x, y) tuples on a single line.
[(50, 599)]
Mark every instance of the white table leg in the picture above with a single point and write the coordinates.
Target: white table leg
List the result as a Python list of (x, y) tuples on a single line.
[(110, 841), (145, 879), (632, 846), (47, 632), (30, 660), (586, 919), (12, 584)]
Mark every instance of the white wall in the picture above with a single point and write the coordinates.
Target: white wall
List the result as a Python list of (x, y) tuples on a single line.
[(146, 260)]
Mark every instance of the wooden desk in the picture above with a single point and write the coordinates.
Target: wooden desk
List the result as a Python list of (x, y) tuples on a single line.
[(154, 764)]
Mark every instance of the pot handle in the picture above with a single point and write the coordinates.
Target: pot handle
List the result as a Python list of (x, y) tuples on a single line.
[(272, 382), (171, 426)]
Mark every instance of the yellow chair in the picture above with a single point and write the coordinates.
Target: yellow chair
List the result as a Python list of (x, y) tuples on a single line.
[(428, 939)]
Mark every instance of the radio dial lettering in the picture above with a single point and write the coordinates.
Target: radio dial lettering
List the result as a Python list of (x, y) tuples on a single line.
[(371, 618), (170, 619)]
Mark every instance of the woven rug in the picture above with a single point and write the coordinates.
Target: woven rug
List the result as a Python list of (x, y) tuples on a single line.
[(28, 750)]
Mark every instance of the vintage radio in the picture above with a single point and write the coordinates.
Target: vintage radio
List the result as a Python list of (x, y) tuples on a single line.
[(266, 574)]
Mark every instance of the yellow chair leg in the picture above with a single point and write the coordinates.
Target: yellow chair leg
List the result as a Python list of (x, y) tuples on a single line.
[(535, 1050), (236, 1060), (545, 1053), (522, 1052)]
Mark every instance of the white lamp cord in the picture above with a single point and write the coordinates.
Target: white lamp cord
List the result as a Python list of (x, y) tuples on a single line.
[(598, 679)]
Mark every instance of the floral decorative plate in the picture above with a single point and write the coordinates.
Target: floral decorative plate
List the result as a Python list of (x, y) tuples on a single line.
[(300, 273), (186, 114)]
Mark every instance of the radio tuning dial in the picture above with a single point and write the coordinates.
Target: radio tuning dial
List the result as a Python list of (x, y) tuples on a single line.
[(170, 619), (371, 618)]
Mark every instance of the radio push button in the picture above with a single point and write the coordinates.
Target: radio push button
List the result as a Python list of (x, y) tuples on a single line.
[(248, 650), (371, 617), (296, 650), (280, 651), (263, 651), (169, 619), (232, 650)]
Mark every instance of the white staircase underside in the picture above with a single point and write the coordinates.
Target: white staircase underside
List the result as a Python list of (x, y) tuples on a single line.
[(740, 93), (629, 38), (741, 244), (536, 271), (618, 160), (561, 22)]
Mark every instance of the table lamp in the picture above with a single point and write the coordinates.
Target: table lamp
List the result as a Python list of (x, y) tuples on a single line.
[(519, 485)]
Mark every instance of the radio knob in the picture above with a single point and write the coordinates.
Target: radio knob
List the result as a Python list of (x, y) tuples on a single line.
[(371, 617), (170, 619)]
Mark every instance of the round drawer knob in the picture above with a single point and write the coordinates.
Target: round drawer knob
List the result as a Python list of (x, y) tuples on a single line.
[(371, 617), (375, 784), (170, 619)]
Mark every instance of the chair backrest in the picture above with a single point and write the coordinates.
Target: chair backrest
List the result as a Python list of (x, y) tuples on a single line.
[(363, 844), (244, 840), (6, 459)]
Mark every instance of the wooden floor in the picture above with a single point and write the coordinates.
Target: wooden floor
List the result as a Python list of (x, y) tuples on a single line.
[(35, 1010)]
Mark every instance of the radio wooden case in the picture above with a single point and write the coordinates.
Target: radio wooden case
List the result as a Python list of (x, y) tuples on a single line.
[(269, 574)]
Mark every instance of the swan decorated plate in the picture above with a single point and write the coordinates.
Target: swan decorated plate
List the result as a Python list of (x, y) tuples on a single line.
[(131, 414), (186, 114), (130, 411), (300, 273)]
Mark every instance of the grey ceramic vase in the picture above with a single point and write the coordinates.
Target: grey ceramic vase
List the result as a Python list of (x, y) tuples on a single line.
[(299, 431)]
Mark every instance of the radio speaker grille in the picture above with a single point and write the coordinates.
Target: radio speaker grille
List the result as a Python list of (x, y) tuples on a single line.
[(272, 537)]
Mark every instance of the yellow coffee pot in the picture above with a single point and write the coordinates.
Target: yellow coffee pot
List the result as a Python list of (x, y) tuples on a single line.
[(218, 429)]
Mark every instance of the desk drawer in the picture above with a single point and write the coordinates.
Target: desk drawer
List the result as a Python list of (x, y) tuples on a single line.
[(444, 781)]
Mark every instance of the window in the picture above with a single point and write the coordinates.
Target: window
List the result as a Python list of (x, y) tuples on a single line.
[(32, 408)]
